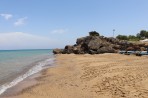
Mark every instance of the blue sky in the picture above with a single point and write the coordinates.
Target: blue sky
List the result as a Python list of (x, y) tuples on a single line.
[(55, 23)]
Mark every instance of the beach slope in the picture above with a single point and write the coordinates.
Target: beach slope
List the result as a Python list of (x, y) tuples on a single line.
[(92, 76)]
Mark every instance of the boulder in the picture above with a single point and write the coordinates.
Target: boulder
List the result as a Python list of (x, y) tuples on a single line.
[(57, 51), (106, 49), (112, 40), (77, 50), (80, 41), (93, 43), (69, 49), (136, 48), (143, 49), (130, 49), (92, 52), (116, 47)]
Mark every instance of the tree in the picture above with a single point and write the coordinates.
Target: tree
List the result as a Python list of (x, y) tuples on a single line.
[(138, 36), (131, 37), (144, 33)]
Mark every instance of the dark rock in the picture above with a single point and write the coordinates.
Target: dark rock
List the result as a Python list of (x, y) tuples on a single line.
[(68, 49), (94, 33), (77, 50), (64, 51), (106, 49), (80, 41), (96, 44), (92, 52), (112, 40), (130, 49), (57, 51), (136, 48), (116, 47)]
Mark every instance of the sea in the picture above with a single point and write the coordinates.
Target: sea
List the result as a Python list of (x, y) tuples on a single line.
[(17, 65)]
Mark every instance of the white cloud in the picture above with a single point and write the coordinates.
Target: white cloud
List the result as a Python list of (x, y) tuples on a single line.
[(20, 21), (20, 40), (7, 16), (59, 31)]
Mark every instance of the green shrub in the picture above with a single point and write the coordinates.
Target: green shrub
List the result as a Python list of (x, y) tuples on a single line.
[(94, 33), (122, 37)]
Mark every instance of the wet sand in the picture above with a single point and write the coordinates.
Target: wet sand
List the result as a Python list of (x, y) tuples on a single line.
[(91, 76)]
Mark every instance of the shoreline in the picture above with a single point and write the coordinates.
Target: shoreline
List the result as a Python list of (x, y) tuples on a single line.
[(91, 76), (29, 82), (29, 74)]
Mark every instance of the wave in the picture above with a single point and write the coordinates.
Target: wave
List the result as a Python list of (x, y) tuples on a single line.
[(38, 67)]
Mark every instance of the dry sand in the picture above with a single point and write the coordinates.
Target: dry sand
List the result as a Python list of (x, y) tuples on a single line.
[(92, 76)]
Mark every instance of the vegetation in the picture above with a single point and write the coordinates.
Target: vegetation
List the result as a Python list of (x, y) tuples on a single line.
[(122, 37), (94, 33), (142, 35)]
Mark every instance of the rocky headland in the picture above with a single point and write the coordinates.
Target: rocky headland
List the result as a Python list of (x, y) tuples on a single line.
[(96, 44)]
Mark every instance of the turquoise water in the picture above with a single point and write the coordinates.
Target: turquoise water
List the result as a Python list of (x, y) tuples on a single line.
[(8, 55), (16, 65)]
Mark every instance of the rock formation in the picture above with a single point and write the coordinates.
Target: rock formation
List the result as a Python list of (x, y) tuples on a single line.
[(96, 44)]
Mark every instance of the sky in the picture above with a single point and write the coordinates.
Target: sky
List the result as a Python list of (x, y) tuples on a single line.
[(48, 24)]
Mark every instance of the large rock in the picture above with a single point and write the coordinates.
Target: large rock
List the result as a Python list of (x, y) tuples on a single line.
[(57, 51), (112, 40), (106, 49), (96, 44), (116, 47), (68, 49), (80, 40), (136, 48), (130, 49), (78, 50)]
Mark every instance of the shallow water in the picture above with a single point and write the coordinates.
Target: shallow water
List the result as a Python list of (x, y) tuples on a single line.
[(16, 65)]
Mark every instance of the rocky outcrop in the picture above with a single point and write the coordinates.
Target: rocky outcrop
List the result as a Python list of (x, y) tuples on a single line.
[(95, 44)]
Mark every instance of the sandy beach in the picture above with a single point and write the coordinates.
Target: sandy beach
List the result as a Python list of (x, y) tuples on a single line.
[(91, 76)]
